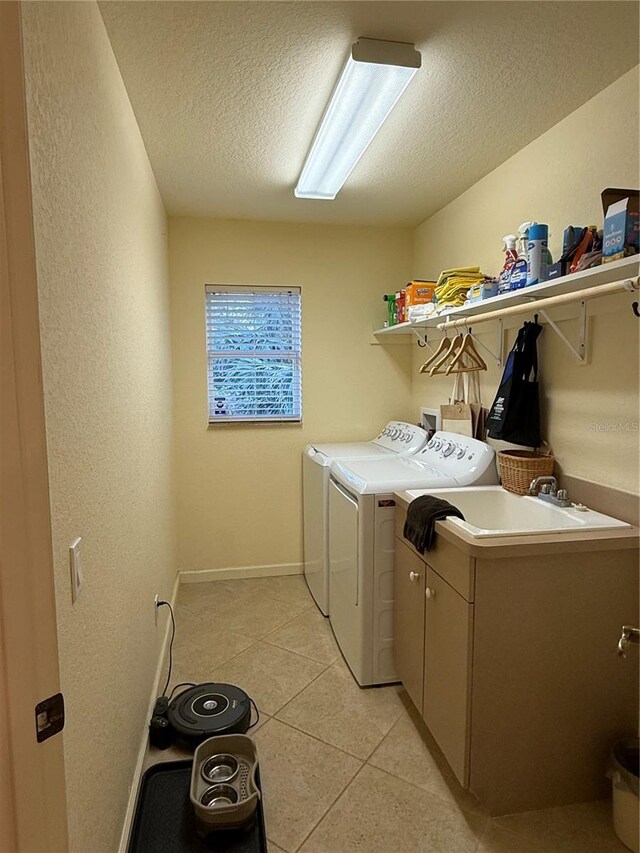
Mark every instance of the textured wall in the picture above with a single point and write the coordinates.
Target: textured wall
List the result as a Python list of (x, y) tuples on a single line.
[(557, 179), (102, 268), (238, 509)]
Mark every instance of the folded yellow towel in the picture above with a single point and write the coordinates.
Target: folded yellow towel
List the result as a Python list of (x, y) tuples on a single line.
[(456, 270), (453, 284)]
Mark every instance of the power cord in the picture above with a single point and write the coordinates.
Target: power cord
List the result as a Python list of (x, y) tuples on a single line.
[(181, 684), (163, 603), (257, 720)]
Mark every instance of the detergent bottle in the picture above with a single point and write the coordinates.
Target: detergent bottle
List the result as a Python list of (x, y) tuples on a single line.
[(518, 276), (510, 257)]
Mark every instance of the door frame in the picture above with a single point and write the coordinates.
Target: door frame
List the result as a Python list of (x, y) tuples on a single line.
[(36, 818)]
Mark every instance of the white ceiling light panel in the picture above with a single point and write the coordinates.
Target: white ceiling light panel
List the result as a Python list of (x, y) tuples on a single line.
[(372, 81)]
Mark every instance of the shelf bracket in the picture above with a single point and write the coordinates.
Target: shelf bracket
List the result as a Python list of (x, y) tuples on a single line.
[(580, 351), (499, 354)]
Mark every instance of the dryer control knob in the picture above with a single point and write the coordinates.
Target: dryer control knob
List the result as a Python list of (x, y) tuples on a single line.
[(448, 449), (460, 452)]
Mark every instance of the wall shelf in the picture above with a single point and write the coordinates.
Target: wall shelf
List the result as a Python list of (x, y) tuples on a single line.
[(579, 284)]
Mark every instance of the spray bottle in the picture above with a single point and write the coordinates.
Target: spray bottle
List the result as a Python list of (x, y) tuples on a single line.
[(518, 277), (510, 257)]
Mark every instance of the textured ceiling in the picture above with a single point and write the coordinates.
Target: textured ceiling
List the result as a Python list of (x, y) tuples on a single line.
[(228, 95)]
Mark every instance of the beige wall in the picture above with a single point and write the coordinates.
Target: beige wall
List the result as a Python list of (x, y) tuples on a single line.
[(102, 268), (557, 179), (235, 509)]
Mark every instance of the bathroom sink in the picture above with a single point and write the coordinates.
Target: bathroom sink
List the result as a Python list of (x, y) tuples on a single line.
[(492, 511)]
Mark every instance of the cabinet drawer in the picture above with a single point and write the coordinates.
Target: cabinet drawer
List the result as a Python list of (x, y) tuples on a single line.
[(456, 568), (409, 583)]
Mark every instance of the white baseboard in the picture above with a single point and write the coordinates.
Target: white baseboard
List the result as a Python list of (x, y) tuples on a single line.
[(205, 575), (137, 773)]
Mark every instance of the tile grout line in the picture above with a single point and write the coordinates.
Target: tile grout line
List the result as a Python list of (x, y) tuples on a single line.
[(272, 643), (295, 696), (332, 745), (260, 639), (264, 639), (318, 739), (420, 787), (282, 624), (324, 815)]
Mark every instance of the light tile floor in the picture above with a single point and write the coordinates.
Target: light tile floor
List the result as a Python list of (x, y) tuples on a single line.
[(346, 770)]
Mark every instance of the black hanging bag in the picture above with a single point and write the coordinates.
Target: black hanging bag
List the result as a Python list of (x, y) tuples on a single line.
[(515, 413)]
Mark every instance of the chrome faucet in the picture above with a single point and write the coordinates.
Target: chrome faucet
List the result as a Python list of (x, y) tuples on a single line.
[(533, 485), (546, 488), (629, 635)]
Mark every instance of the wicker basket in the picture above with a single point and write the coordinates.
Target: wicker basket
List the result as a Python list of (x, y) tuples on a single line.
[(518, 468)]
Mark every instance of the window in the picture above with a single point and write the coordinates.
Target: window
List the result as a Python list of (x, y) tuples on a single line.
[(253, 353)]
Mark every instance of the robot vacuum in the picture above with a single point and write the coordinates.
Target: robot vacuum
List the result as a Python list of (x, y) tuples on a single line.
[(209, 709)]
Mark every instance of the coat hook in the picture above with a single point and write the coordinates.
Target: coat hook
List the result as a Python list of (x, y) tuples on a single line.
[(634, 305)]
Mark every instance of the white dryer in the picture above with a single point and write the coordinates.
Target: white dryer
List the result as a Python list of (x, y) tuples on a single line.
[(397, 439), (361, 541)]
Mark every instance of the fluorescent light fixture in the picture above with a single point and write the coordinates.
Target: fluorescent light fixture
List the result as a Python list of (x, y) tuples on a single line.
[(375, 76)]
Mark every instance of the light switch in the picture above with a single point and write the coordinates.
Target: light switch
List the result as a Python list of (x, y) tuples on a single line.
[(77, 575)]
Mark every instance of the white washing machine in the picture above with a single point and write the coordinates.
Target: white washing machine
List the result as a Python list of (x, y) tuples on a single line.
[(397, 439), (361, 541)]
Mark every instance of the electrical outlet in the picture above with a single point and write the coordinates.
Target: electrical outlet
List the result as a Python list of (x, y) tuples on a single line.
[(75, 564), (155, 608)]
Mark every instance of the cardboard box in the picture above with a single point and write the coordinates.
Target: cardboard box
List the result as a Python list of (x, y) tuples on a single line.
[(420, 292), (621, 231), (556, 270)]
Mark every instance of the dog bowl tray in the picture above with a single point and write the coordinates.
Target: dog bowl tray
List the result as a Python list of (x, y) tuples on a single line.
[(223, 788), (164, 820)]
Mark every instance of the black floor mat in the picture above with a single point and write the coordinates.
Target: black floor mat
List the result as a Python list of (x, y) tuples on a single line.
[(164, 821)]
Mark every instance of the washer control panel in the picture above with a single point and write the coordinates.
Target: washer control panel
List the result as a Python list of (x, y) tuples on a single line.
[(401, 437), (459, 456)]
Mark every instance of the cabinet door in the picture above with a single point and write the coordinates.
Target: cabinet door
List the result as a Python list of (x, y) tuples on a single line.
[(447, 671), (408, 616)]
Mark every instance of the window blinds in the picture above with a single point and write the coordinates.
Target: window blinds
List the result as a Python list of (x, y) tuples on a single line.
[(253, 353)]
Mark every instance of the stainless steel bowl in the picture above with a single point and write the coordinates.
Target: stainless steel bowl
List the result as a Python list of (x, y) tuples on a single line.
[(219, 795), (220, 768)]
